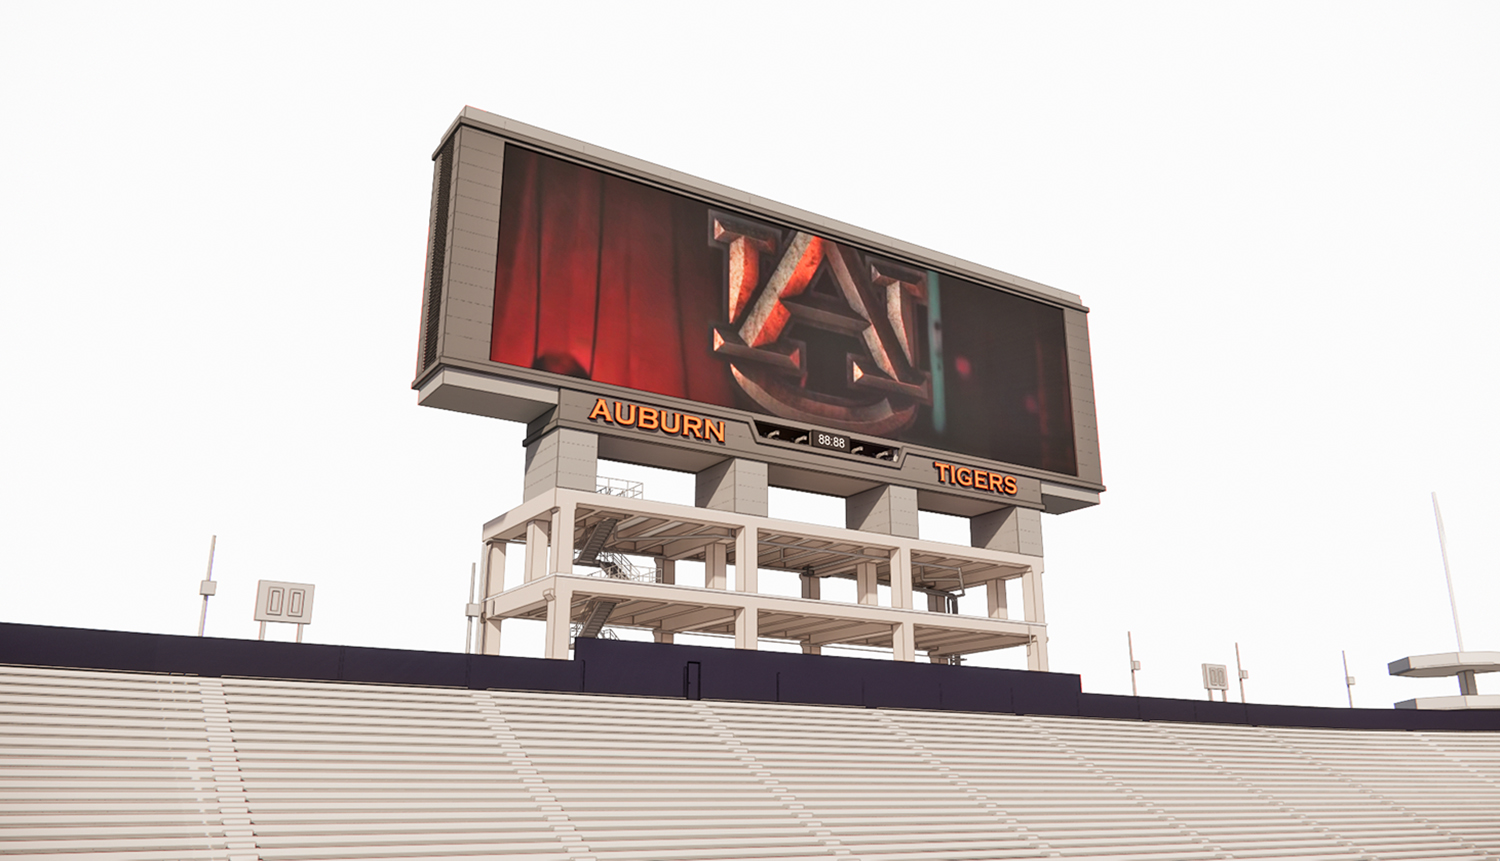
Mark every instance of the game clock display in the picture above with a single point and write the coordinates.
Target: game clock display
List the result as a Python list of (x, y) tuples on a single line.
[(833, 441)]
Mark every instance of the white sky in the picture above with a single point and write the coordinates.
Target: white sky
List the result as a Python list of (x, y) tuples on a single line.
[(1283, 217)]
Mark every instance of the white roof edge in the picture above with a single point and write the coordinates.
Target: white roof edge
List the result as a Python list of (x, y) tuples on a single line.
[(687, 182), (1445, 664)]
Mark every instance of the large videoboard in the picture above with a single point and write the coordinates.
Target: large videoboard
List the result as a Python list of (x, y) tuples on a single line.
[(556, 264)]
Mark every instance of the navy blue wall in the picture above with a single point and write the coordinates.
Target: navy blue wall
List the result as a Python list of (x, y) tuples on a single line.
[(653, 670)]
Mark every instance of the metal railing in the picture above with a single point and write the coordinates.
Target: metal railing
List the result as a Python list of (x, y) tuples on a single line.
[(619, 487), (604, 634), (618, 567)]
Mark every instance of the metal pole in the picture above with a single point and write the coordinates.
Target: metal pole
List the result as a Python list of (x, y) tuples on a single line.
[(262, 630), (1443, 545), (1239, 670), (1348, 679), (1130, 644), (299, 632), (469, 631), (203, 617)]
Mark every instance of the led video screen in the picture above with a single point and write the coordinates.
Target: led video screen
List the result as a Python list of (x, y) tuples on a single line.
[(605, 279)]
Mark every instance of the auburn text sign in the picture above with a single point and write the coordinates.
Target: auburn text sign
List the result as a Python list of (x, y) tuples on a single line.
[(670, 422)]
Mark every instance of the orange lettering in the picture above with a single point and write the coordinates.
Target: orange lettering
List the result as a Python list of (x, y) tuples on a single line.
[(714, 431), (1010, 485), (943, 472), (619, 419), (676, 424), (648, 419), (692, 426), (981, 480), (601, 410), (964, 476)]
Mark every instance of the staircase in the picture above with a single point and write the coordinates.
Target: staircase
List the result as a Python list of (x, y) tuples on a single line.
[(613, 565), (595, 615), (593, 545)]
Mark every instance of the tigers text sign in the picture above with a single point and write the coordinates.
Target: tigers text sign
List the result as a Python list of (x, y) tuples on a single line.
[(976, 479)]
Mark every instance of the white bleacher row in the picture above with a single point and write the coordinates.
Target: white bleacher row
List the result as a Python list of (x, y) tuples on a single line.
[(139, 767)]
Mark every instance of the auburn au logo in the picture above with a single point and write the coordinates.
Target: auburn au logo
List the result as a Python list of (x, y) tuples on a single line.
[(855, 362)]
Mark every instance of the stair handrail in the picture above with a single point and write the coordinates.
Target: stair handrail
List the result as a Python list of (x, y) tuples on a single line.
[(626, 569)]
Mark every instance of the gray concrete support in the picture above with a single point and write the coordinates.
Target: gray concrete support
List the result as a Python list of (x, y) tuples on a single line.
[(564, 458), (668, 569), (1015, 530), (887, 509), (737, 485)]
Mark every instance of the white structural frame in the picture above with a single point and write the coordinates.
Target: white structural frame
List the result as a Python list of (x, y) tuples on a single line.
[(553, 592)]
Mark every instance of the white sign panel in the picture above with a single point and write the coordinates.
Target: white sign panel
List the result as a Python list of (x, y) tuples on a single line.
[(1216, 677), (276, 601)]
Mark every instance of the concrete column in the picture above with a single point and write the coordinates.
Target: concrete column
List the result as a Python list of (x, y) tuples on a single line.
[(746, 628), (936, 658), (1031, 596), (716, 566), (747, 559), (1017, 530), (492, 570), (1468, 685), (563, 458), (812, 586), (867, 586), (811, 648), (995, 598), (1035, 611), (668, 568), (737, 485), (901, 579), (562, 539), (663, 636), (491, 581), (887, 509), (559, 620), (1036, 654), (536, 551), (489, 635), (904, 641)]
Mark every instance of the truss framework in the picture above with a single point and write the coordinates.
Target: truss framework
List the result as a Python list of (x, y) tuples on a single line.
[(554, 591)]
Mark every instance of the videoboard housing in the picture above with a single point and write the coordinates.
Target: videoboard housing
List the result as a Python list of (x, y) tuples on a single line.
[(685, 323)]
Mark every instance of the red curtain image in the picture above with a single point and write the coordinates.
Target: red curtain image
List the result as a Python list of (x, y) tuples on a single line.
[(606, 279)]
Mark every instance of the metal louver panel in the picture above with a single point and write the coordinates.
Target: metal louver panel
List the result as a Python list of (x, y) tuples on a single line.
[(135, 766)]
